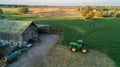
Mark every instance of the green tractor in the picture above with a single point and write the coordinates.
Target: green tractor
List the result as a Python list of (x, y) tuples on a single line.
[(78, 46)]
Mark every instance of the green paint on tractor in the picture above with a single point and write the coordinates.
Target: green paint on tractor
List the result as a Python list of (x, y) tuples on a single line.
[(78, 46)]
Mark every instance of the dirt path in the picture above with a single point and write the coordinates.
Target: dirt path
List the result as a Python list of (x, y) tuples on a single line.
[(40, 49), (61, 56)]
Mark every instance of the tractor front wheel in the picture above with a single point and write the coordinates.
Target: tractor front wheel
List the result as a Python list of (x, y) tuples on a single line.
[(84, 50), (73, 49)]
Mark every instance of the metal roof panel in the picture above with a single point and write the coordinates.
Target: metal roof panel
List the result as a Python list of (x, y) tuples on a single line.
[(13, 26)]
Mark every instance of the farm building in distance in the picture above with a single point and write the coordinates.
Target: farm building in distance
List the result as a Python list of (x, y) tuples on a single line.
[(17, 32)]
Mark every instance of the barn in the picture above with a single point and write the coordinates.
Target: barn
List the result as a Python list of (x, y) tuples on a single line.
[(14, 32)]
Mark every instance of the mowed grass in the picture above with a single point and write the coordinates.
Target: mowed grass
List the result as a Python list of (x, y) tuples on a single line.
[(99, 34)]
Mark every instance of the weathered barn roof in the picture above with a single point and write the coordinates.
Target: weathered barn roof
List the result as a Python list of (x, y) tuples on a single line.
[(42, 25), (13, 26)]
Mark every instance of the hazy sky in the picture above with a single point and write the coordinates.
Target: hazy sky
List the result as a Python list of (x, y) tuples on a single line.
[(63, 2)]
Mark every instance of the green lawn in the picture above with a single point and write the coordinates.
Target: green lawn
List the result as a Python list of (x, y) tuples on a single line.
[(99, 34)]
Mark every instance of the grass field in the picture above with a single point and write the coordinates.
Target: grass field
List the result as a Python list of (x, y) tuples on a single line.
[(99, 34)]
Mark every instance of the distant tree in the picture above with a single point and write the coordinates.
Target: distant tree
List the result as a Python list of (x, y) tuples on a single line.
[(20, 10), (111, 13), (99, 14), (105, 13), (23, 10), (89, 15), (26, 9), (117, 14), (78, 9), (1, 12), (111, 8), (86, 10)]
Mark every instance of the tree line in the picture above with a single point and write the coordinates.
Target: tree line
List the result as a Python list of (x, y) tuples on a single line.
[(16, 6), (89, 12)]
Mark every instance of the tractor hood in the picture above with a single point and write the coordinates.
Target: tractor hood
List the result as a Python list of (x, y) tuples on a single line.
[(73, 43)]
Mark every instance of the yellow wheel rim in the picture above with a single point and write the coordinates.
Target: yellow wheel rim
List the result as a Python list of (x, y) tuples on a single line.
[(73, 49), (84, 50)]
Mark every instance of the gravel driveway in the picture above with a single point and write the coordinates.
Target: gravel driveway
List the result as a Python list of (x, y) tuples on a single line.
[(39, 49)]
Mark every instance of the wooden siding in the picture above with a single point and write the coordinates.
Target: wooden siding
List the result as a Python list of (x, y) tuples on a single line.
[(9, 36), (30, 32)]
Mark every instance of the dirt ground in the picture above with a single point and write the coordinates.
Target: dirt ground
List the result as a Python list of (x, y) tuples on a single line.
[(61, 56), (40, 49), (55, 11), (46, 54)]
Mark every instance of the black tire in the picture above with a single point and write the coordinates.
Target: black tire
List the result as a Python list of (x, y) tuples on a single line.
[(84, 48), (73, 48)]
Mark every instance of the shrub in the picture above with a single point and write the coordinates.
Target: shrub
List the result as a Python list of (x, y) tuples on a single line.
[(89, 15), (86, 10), (117, 14), (111, 13), (78, 9), (99, 14), (105, 13), (23, 10), (1, 11)]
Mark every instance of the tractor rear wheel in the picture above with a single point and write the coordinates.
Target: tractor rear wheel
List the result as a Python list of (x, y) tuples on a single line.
[(73, 49)]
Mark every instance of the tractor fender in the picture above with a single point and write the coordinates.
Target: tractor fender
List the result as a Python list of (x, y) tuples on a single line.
[(84, 46)]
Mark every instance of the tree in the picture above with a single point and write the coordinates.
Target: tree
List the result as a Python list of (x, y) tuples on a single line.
[(78, 9), (99, 14), (23, 10), (111, 13), (87, 12), (89, 15), (105, 13), (1, 11), (117, 14)]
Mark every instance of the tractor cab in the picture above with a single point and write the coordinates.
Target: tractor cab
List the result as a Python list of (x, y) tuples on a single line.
[(80, 41), (78, 46)]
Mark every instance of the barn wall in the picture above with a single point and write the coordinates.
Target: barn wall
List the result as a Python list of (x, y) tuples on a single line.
[(10, 39), (9, 36), (30, 32)]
